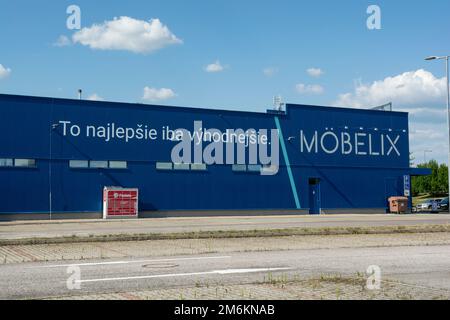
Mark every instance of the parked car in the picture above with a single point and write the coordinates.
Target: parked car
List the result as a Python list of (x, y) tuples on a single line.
[(443, 205), (429, 205), (425, 206)]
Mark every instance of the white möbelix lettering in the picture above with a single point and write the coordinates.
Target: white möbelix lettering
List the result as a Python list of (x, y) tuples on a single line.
[(359, 143)]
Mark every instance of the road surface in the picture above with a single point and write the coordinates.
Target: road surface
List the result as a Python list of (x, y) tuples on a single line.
[(416, 266)]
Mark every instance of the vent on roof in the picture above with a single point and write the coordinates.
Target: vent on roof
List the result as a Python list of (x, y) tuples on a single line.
[(384, 107)]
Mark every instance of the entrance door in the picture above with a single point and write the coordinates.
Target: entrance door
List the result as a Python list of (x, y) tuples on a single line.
[(315, 205)]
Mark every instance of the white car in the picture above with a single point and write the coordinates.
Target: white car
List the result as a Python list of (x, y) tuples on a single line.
[(428, 205)]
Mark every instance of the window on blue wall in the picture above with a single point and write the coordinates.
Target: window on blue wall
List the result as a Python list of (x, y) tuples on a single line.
[(239, 167), (169, 166), (181, 166), (79, 164), (6, 162), (96, 164), (118, 165), (198, 167), (254, 168), (25, 163), (164, 166)]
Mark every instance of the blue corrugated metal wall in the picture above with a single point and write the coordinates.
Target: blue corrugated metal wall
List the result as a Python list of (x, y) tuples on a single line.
[(347, 181)]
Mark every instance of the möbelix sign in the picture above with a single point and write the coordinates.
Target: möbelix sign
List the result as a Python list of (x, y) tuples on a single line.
[(350, 143)]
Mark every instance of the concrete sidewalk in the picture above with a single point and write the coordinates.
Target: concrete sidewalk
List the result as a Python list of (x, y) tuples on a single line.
[(92, 228)]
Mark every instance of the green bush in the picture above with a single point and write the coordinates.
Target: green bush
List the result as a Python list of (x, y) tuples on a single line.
[(435, 184)]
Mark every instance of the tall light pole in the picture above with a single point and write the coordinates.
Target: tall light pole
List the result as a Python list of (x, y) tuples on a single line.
[(448, 105), (425, 155)]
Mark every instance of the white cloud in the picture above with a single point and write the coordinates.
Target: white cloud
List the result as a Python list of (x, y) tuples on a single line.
[(425, 114), (270, 71), (428, 136), (214, 67), (410, 88), (126, 33), (62, 41), (315, 72), (153, 94), (95, 97), (4, 72), (309, 88)]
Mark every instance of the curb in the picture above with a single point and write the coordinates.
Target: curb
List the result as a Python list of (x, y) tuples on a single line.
[(221, 234)]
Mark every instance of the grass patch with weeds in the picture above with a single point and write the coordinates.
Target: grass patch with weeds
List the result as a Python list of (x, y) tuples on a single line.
[(227, 234)]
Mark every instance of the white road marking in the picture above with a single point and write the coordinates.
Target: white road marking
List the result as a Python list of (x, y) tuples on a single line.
[(131, 261), (231, 271), (220, 272)]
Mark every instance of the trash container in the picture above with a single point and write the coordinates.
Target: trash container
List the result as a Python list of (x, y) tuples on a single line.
[(398, 204)]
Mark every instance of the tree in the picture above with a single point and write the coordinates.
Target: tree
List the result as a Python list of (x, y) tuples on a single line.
[(435, 184), (443, 178)]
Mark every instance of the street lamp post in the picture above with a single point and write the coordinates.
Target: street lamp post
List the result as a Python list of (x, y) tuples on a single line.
[(448, 105), (50, 185), (425, 155)]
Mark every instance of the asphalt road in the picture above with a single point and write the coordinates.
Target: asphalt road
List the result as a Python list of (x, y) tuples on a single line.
[(415, 265), (27, 229)]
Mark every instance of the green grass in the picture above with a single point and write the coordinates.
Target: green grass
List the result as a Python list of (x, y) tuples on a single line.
[(266, 233)]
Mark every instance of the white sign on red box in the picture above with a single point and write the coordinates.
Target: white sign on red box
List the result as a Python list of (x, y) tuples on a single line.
[(120, 202)]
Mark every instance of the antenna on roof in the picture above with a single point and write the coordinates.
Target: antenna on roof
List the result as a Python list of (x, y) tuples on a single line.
[(278, 103), (80, 92), (384, 107)]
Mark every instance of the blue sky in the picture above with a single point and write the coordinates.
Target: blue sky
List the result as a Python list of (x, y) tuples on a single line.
[(241, 39)]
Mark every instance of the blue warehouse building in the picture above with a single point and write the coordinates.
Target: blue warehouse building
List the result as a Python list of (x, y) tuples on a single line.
[(57, 155)]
